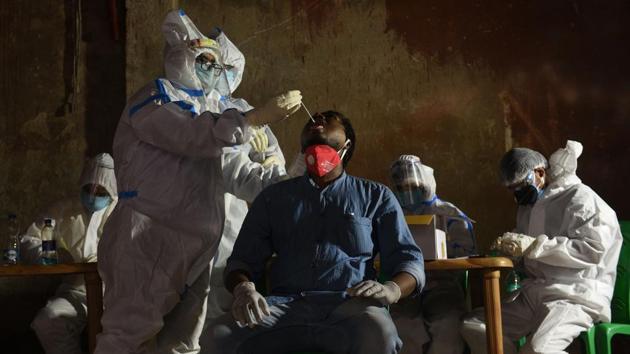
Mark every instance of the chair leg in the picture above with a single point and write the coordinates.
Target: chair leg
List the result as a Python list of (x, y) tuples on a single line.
[(604, 336), (588, 337)]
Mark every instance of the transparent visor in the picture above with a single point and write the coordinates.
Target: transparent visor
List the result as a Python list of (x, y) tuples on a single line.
[(527, 181), (410, 183)]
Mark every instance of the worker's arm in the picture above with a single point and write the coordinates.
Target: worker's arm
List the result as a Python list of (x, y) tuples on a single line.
[(590, 234), (176, 127), (245, 178)]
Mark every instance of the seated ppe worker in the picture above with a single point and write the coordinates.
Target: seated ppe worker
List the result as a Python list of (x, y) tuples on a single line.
[(325, 228), (571, 262), (441, 304), (160, 239), (78, 228)]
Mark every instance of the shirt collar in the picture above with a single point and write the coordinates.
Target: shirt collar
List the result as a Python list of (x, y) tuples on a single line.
[(339, 180)]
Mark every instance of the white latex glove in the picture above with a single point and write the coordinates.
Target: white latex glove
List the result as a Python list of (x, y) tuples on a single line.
[(271, 160), (298, 167), (513, 244), (388, 293), (259, 141), (277, 109), (249, 306)]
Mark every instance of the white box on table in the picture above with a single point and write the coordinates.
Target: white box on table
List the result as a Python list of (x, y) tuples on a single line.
[(430, 239)]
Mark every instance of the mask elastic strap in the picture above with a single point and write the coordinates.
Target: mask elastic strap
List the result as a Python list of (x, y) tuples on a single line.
[(532, 179), (344, 149), (224, 74)]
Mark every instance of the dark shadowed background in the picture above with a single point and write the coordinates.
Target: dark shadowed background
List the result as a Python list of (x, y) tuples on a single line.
[(456, 82)]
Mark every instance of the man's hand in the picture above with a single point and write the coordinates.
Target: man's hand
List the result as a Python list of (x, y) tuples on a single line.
[(277, 109), (388, 293), (249, 306)]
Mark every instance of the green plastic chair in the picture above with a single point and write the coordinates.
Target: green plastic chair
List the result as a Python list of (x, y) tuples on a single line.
[(599, 337), (620, 305)]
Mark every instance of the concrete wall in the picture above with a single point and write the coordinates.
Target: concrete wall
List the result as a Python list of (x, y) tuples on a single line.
[(62, 87), (455, 83)]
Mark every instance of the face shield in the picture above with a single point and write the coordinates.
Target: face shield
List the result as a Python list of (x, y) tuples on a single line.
[(413, 182), (527, 192)]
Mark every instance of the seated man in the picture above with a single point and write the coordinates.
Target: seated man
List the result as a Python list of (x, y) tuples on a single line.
[(442, 303), (78, 229), (571, 261), (326, 228)]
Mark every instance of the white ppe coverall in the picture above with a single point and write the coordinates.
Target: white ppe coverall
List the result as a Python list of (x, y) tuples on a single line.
[(160, 239), (77, 232), (242, 173), (571, 269), (243, 179), (433, 315)]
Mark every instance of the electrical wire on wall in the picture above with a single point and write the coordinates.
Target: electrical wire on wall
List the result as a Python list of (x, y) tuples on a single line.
[(72, 50)]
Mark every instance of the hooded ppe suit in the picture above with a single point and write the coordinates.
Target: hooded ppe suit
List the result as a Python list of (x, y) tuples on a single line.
[(166, 228), (77, 232), (242, 173), (442, 303), (243, 179), (571, 267)]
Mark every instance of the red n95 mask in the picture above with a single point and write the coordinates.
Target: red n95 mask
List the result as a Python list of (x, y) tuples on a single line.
[(321, 159)]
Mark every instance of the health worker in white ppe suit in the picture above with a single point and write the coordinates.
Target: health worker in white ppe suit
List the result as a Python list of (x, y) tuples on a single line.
[(246, 169), (440, 307), (166, 227), (78, 228), (571, 262)]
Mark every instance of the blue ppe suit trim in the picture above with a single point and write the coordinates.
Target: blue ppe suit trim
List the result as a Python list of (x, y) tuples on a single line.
[(191, 92), (160, 87), (187, 106), (182, 104), (127, 194), (139, 106)]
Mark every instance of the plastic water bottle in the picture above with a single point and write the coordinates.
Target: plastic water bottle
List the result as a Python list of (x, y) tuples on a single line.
[(10, 249), (513, 282), (49, 247)]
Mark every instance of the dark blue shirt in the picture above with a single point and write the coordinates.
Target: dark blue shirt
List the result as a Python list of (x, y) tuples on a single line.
[(325, 239)]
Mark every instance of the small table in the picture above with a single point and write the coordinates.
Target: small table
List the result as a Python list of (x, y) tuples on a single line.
[(93, 285), (491, 268)]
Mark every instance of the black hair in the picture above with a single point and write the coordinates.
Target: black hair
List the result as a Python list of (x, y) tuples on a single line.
[(349, 130)]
